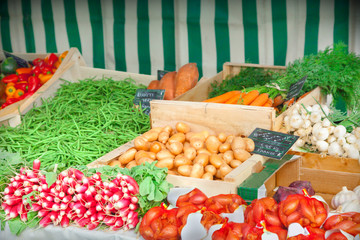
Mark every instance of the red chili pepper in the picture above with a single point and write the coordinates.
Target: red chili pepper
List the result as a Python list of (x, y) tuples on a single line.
[(37, 61), (52, 59), (9, 101), (46, 70), (24, 77), (34, 83), (22, 85), (12, 78), (36, 70)]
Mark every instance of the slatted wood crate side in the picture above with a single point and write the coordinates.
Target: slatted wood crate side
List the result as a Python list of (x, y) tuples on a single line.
[(232, 69), (326, 183), (215, 118), (11, 114), (97, 73)]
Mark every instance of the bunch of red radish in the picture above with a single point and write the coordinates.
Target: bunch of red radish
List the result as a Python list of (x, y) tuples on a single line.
[(86, 201)]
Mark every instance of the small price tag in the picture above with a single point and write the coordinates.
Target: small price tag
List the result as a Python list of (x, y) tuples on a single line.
[(272, 144), (161, 73), (22, 63), (144, 96), (295, 88)]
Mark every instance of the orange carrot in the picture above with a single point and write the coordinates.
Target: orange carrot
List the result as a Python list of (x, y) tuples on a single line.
[(250, 97), (278, 100), (222, 98), (289, 102), (268, 103), (260, 100), (154, 84), (235, 98)]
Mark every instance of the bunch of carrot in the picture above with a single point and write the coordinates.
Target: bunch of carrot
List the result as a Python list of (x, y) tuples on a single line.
[(255, 97)]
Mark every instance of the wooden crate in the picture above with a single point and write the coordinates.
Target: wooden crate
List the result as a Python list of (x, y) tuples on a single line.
[(11, 115), (74, 69), (326, 183), (332, 163), (201, 91), (214, 119)]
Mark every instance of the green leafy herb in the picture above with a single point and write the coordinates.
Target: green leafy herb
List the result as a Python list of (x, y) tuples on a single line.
[(248, 77), (153, 186), (10, 163), (16, 226), (2, 219), (335, 70), (50, 178)]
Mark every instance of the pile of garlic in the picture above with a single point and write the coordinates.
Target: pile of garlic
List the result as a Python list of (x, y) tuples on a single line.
[(318, 133)]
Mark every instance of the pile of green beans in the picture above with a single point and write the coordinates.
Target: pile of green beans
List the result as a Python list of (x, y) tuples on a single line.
[(83, 122)]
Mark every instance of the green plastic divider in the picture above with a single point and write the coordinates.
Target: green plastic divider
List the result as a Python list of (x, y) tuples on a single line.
[(248, 190)]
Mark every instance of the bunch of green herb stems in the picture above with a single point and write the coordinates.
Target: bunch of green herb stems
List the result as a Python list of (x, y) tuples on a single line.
[(83, 122)]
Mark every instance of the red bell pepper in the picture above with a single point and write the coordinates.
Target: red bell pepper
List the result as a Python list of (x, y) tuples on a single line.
[(36, 70), (12, 78), (34, 83), (24, 77), (37, 61), (22, 85), (52, 59), (46, 69)]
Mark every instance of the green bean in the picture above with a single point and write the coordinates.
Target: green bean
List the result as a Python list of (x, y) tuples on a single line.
[(83, 122)]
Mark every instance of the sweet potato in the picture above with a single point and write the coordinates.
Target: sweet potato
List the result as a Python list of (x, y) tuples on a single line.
[(168, 83), (186, 78), (154, 84)]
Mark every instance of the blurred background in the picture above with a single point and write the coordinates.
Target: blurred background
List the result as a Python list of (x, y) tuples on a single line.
[(144, 36)]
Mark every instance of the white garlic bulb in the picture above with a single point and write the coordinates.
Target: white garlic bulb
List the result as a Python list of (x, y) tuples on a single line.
[(343, 196)]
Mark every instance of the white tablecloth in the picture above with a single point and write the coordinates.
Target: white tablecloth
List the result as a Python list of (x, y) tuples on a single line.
[(70, 233)]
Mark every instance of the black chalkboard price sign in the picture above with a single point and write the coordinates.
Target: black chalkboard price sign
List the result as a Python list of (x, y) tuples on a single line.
[(22, 63), (144, 96), (272, 144), (161, 73), (295, 88)]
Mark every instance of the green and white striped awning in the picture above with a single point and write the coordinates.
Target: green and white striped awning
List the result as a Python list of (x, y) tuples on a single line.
[(146, 35)]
